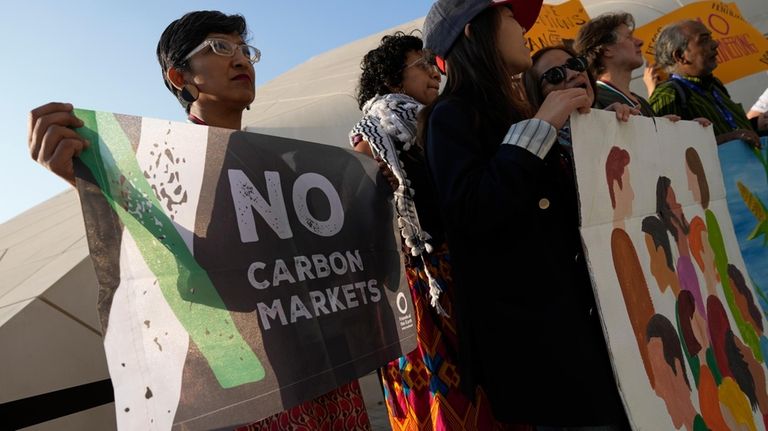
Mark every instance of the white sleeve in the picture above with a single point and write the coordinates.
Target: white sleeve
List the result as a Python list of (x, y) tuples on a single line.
[(762, 103), (535, 135)]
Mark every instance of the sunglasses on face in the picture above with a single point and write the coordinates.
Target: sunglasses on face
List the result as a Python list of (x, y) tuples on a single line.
[(558, 74), (226, 48)]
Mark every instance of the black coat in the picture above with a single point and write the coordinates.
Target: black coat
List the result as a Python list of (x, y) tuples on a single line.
[(529, 328)]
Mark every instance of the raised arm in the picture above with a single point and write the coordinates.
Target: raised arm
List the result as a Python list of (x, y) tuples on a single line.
[(52, 140)]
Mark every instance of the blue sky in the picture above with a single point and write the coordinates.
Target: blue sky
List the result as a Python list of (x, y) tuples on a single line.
[(101, 55)]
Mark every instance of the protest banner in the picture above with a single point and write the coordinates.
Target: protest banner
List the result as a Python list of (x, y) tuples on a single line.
[(745, 172), (556, 24), (681, 317), (240, 274), (743, 50)]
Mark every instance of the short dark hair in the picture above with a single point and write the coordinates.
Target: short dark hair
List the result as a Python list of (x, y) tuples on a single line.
[(660, 327), (686, 307), (383, 66), (186, 33), (664, 211), (532, 82), (598, 33), (740, 283), (658, 233), (740, 368)]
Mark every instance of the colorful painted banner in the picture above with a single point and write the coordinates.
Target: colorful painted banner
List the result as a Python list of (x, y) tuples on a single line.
[(557, 24), (683, 320), (743, 50), (745, 172), (240, 274)]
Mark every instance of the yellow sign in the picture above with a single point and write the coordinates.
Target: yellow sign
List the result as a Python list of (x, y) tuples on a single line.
[(743, 50), (557, 24)]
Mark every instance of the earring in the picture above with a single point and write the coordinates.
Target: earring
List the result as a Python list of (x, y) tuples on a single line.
[(189, 93), (248, 108)]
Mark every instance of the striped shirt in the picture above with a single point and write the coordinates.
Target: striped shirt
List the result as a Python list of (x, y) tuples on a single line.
[(665, 100), (536, 136)]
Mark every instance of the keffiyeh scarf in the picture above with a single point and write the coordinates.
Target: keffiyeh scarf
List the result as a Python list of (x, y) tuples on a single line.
[(389, 127)]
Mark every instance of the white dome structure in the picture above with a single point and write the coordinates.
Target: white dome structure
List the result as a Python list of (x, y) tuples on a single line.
[(315, 101)]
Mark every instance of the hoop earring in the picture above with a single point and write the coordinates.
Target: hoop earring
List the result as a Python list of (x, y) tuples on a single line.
[(189, 93)]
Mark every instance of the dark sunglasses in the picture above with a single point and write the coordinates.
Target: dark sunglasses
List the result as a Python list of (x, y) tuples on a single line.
[(558, 74)]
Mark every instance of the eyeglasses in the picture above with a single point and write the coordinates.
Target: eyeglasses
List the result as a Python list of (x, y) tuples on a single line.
[(424, 63), (558, 74), (226, 48)]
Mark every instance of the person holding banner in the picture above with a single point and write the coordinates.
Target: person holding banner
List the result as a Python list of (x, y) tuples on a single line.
[(398, 79), (208, 66), (688, 52), (529, 331), (558, 67), (613, 53)]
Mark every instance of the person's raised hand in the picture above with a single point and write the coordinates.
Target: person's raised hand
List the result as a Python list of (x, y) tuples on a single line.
[(52, 141), (559, 104), (651, 77)]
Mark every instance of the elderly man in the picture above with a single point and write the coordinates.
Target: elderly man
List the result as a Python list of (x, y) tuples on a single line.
[(688, 52)]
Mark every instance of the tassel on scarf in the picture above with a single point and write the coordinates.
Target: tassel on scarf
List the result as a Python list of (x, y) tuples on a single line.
[(434, 290), (389, 127)]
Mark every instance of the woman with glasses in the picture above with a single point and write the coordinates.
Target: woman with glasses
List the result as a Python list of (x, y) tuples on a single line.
[(208, 66), (422, 388), (529, 331)]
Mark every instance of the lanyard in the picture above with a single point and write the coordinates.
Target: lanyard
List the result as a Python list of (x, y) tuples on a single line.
[(719, 103)]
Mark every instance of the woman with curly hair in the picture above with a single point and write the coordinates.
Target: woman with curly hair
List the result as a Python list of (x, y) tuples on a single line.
[(421, 388)]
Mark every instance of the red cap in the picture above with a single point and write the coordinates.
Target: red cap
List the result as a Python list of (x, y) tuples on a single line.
[(525, 11)]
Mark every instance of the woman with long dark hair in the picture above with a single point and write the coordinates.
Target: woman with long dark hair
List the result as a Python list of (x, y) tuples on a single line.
[(529, 331)]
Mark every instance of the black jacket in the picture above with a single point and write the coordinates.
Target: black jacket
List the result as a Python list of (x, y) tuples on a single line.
[(528, 325)]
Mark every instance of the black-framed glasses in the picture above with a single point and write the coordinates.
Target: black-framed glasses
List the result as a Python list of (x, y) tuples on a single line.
[(227, 48), (558, 74)]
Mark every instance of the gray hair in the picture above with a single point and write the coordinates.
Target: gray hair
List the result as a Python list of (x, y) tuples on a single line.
[(673, 40)]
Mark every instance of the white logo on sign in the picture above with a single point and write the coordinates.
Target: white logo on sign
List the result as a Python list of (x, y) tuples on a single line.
[(402, 303)]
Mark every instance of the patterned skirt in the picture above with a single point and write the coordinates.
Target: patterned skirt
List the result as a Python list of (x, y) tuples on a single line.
[(422, 388), (342, 409)]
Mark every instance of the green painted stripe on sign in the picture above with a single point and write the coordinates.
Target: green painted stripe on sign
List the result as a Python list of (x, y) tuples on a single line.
[(184, 284)]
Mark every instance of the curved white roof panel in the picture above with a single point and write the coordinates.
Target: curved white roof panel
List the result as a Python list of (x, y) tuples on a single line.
[(315, 100)]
